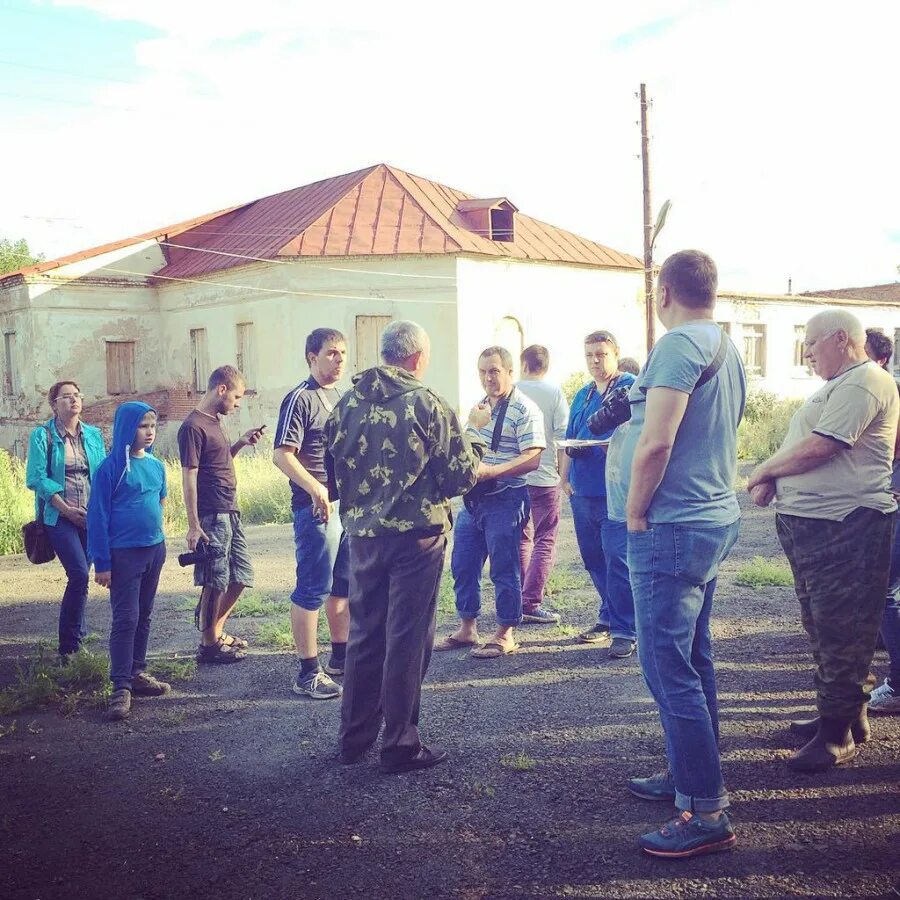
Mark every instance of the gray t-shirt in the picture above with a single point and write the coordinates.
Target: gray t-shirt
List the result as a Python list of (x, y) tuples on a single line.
[(551, 401), (698, 484)]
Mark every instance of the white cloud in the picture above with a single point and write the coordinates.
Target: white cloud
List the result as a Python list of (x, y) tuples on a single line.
[(770, 120)]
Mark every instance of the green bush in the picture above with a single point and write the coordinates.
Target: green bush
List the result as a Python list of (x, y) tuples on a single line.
[(765, 424), (16, 503), (573, 384)]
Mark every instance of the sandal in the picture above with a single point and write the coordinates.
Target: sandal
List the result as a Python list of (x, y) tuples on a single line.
[(493, 650), (452, 643), (219, 652), (232, 640)]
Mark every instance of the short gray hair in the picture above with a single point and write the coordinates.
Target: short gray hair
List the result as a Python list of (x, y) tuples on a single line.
[(402, 339), (831, 320)]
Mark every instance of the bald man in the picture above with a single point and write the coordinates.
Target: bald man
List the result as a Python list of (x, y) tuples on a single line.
[(831, 482)]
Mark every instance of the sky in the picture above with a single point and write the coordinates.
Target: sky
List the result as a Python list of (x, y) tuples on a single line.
[(774, 126)]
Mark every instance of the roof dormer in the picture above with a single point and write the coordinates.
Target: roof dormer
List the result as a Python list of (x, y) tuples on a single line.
[(493, 218)]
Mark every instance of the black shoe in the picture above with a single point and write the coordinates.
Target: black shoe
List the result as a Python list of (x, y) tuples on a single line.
[(351, 758), (424, 759), (809, 728), (832, 746)]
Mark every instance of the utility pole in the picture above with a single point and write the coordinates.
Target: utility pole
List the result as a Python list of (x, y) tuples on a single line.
[(648, 225)]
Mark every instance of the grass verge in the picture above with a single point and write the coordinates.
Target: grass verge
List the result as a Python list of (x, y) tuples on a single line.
[(761, 572)]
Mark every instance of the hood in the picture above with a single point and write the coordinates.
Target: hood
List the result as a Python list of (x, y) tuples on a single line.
[(128, 417), (383, 383)]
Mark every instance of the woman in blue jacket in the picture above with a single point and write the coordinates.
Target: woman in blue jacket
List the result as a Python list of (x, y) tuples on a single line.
[(63, 454)]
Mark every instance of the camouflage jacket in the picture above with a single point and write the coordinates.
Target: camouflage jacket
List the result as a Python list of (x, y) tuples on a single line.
[(398, 454)]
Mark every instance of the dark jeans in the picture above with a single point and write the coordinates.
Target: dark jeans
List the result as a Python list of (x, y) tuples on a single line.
[(673, 574), (841, 580), (394, 582), (890, 621), (70, 544), (135, 577)]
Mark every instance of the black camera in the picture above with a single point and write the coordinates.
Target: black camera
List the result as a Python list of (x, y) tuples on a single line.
[(616, 409), (578, 452), (203, 553)]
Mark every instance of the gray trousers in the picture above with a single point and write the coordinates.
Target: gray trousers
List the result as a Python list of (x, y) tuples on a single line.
[(394, 582)]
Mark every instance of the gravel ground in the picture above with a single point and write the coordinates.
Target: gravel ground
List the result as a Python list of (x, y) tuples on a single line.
[(226, 787)]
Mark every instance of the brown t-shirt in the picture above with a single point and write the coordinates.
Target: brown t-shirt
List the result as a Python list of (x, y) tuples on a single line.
[(202, 445)]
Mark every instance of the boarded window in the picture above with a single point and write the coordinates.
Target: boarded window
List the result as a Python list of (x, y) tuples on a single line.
[(246, 357), (799, 346), (368, 340), (199, 360), (119, 367), (754, 341), (10, 378)]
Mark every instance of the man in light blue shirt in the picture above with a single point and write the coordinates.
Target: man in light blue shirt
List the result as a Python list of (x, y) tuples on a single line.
[(670, 475)]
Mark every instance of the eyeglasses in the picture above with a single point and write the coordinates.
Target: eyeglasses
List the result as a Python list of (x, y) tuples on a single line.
[(808, 345), (70, 397)]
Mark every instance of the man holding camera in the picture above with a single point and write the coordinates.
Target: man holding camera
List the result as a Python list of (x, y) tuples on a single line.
[(670, 475), (223, 568), (319, 541), (601, 540), (490, 524)]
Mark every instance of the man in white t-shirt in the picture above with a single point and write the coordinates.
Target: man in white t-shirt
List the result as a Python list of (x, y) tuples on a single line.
[(537, 548), (831, 482)]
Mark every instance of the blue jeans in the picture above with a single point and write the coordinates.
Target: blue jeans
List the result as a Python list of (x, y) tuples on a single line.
[(673, 576), (589, 514), (135, 577), (890, 622), (491, 531), (323, 559), (70, 545)]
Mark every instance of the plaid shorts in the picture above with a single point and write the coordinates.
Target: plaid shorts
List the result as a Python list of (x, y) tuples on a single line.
[(225, 530)]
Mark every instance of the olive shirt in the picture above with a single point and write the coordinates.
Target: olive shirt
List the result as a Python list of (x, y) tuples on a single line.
[(398, 454)]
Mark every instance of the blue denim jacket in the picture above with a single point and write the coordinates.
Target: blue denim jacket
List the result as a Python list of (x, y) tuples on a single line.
[(36, 467)]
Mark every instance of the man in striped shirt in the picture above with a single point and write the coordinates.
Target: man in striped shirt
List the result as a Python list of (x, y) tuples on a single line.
[(495, 511)]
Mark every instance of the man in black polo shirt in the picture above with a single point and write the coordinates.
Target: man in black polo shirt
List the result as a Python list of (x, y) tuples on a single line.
[(319, 541)]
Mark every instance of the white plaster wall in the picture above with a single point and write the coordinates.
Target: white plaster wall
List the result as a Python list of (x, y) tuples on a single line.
[(556, 305)]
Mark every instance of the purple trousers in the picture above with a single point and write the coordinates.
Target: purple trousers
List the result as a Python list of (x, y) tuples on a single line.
[(537, 549)]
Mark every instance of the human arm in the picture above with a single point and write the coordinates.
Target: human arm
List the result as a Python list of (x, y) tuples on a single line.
[(664, 411), (810, 453), (455, 455), (195, 533), (98, 514), (247, 439), (525, 462), (46, 488), (285, 458)]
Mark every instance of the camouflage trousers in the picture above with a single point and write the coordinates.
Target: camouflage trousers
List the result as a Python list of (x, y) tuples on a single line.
[(841, 577)]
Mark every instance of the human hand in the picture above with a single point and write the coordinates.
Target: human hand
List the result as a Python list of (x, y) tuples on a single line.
[(104, 579), (480, 415), (194, 536), (636, 523), (77, 516), (568, 490), (756, 477), (762, 493), (251, 438), (320, 502)]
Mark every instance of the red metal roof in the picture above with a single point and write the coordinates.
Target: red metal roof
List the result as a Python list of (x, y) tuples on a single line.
[(376, 211)]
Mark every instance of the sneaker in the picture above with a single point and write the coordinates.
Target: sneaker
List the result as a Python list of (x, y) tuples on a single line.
[(599, 634), (424, 759), (335, 666), (688, 835), (145, 685), (660, 786), (885, 700), (622, 648), (540, 616), (317, 685), (119, 705)]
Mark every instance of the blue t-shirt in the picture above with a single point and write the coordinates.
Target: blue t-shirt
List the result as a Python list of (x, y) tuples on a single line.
[(135, 518), (587, 473), (698, 484)]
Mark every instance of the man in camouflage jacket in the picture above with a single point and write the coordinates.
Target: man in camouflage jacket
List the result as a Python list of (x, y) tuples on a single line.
[(398, 454)]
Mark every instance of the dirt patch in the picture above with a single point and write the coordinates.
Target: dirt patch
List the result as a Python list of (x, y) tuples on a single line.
[(226, 788)]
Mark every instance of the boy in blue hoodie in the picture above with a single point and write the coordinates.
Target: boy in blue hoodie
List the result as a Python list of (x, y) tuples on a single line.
[(127, 546)]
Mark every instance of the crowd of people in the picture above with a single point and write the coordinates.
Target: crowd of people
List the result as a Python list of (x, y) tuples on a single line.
[(372, 473)]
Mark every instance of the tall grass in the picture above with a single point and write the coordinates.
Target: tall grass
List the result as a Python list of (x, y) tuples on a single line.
[(765, 424), (16, 503)]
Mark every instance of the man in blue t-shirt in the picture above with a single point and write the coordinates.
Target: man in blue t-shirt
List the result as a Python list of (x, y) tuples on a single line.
[(670, 476)]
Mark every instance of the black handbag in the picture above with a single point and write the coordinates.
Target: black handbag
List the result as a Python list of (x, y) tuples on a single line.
[(35, 536)]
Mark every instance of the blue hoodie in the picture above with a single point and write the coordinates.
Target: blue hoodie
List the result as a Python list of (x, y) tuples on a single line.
[(124, 509)]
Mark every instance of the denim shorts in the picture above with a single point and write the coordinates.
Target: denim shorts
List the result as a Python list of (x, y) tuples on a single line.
[(323, 558), (225, 530)]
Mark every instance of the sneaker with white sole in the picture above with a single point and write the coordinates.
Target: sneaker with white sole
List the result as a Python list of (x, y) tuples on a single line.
[(317, 685), (599, 634), (621, 648), (540, 616), (884, 700), (335, 666)]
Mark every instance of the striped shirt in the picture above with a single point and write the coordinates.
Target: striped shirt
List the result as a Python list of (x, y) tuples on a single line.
[(523, 429), (77, 488)]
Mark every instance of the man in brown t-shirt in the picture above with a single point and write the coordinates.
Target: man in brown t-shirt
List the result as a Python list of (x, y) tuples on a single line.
[(210, 488)]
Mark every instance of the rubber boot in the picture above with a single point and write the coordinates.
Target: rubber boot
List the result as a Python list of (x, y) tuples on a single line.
[(832, 746), (807, 728)]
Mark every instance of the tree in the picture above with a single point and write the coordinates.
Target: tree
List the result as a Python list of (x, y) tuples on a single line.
[(15, 255)]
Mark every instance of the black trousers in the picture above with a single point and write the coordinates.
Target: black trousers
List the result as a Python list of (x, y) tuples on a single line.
[(394, 583)]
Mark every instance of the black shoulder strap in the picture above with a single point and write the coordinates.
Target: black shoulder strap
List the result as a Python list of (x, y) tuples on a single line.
[(711, 370), (498, 425)]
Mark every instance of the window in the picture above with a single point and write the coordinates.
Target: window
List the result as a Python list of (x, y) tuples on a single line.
[(502, 224), (199, 360), (799, 346), (368, 340), (120, 367), (10, 379), (246, 358), (754, 340)]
